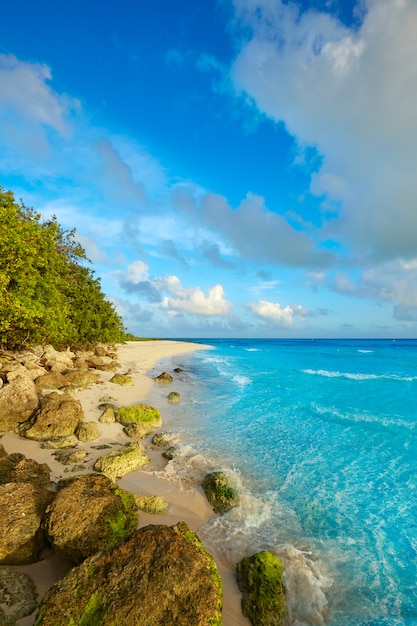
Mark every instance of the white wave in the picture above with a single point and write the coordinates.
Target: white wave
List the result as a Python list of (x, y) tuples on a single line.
[(365, 351), (252, 349), (242, 380), (350, 376), (368, 418)]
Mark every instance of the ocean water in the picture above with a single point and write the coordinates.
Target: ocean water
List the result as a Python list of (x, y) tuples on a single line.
[(319, 437)]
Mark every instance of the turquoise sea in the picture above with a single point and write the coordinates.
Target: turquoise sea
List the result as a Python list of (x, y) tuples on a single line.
[(320, 439)]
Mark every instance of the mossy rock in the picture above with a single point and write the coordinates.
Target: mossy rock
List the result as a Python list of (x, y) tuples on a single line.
[(151, 504), (121, 379), (130, 457), (174, 397), (161, 440), (143, 417), (219, 492), (260, 578), (164, 378), (87, 431), (89, 514), (70, 456), (108, 416)]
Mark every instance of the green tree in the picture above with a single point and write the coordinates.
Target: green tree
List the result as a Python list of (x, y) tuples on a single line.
[(47, 294)]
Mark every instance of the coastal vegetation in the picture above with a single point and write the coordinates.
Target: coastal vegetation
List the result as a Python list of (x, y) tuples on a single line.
[(48, 292)]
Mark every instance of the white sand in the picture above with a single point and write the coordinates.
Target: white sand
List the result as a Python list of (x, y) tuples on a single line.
[(185, 504)]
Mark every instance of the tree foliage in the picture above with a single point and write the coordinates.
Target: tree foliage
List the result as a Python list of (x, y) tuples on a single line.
[(47, 293)]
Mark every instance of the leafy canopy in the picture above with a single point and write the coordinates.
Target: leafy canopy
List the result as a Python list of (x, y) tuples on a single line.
[(47, 293)]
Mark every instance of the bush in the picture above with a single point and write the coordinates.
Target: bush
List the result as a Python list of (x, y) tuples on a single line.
[(47, 293)]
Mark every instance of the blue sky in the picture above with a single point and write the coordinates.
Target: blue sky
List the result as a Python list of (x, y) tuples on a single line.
[(233, 168)]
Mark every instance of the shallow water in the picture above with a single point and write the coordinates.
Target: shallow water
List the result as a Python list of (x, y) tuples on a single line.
[(320, 439)]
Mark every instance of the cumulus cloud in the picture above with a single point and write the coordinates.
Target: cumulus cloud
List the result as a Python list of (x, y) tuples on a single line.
[(172, 296), (276, 313), (351, 93), (389, 283), (253, 230)]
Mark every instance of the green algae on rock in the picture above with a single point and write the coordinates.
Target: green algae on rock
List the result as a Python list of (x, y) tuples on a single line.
[(151, 504), (88, 514), (121, 379), (130, 457), (260, 578), (164, 378), (158, 576), (219, 492), (144, 418), (87, 431), (174, 397)]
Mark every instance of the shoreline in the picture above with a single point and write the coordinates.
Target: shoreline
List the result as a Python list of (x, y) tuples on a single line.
[(186, 503)]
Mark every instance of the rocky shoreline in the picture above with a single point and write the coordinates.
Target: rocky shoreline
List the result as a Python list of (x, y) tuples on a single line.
[(71, 425)]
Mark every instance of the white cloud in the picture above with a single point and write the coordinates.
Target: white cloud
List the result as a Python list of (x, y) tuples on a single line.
[(351, 93), (193, 300), (24, 90), (137, 272), (274, 312)]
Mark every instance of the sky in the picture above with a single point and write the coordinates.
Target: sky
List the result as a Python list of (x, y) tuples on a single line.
[(233, 168)]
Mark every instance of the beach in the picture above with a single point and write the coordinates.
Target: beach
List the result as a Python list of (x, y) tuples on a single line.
[(186, 503)]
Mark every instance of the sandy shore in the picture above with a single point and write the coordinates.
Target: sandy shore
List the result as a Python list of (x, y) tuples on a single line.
[(185, 503)]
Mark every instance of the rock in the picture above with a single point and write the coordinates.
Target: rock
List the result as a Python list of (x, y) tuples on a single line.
[(58, 361), (164, 378), (121, 379), (100, 351), (18, 400), (53, 380), (69, 456), (219, 492), (161, 440), (109, 367), (178, 370), (22, 506), (17, 596), (87, 431), (174, 397), (59, 443), (108, 416), (57, 416), (82, 378), (151, 504), (26, 471), (142, 417), (89, 514), (261, 580), (169, 454), (120, 462), (161, 576)]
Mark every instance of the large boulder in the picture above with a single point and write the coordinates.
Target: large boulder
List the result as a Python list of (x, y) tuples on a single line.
[(142, 417), (87, 431), (22, 506), (52, 380), (57, 361), (219, 492), (17, 596), (162, 576), (130, 457), (88, 514), (57, 416), (82, 378), (260, 578), (18, 400)]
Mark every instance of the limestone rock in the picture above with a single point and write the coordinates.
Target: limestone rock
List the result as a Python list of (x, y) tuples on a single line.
[(88, 514), (108, 416), (68, 456), (165, 377), (57, 360), (17, 596), (87, 431), (24, 471), (142, 418), (174, 397), (18, 400), (151, 504), (130, 457), (261, 580), (109, 367), (22, 506), (57, 416), (121, 379), (162, 576), (82, 378), (219, 492), (53, 380), (161, 440)]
